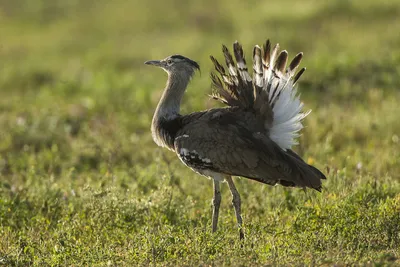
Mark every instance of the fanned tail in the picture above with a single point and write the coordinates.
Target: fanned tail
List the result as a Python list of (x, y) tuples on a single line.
[(236, 86), (269, 91)]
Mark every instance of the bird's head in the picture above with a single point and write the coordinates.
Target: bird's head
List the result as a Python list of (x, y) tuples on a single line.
[(176, 64)]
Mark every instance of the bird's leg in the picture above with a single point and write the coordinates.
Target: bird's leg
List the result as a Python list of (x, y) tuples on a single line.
[(216, 204), (236, 202)]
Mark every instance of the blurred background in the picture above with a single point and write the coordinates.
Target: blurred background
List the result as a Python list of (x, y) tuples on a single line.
[(76, 100)]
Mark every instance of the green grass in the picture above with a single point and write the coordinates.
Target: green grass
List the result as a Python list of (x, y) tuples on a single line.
[(82, 183)]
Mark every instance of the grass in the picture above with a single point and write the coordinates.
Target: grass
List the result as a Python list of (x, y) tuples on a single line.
[(82, 183)]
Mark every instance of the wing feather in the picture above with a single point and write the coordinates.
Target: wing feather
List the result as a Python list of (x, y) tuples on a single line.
[(227, 147)]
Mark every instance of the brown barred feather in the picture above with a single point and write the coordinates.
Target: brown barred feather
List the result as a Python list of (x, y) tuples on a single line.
[(260, 92), (267, 53), (246, 90), (281, 61), (229, 61), (295, 62), (257, 77), (298, 75)]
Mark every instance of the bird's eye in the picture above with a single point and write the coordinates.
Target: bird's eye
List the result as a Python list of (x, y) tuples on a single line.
[(169, 61)]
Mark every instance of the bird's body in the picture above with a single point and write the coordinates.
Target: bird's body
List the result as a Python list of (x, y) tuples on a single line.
[(231, 141), (252, 137)]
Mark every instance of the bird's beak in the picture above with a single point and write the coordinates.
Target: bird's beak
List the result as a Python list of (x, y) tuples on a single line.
[(153, 62)]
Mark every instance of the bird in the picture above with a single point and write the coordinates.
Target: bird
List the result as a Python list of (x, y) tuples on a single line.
[(251, 136)]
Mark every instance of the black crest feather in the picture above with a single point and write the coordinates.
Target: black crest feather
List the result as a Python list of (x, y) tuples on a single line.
[(192, 62)]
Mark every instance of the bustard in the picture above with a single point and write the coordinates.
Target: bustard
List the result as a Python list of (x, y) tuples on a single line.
[(251, 137)]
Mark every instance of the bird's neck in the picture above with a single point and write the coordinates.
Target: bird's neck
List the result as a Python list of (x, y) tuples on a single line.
[(169, 107), (170, 103)]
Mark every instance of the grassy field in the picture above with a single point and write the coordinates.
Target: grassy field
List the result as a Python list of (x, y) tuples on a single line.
[(82, 183)]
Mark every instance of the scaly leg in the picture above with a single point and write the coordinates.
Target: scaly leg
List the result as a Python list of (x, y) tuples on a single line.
[(236, 202), (216, 204)]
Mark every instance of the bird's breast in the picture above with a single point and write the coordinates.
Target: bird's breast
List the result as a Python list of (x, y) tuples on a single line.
[(164, 131)]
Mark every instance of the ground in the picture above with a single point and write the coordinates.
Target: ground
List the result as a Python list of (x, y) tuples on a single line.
[(82, 183)]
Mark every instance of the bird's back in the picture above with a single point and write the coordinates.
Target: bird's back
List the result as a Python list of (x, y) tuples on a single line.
[(231, 141)]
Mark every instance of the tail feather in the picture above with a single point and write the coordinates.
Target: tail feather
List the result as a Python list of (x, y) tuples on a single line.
[(241, 62), (269, 91), (227, 97), (229, 61), (269, 62), (257, 69), (280, 73), (267, 52), (244, 76), (260, 95), (221, 70), (298, 75), (294, 64), (281, 61)]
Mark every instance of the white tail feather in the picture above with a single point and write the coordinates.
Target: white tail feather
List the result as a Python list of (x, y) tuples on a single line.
[(287, 116)]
